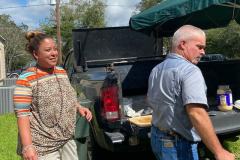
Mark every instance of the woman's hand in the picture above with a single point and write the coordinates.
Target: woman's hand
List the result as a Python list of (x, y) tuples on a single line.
[(28, 150), (85, 112), (29, 153)]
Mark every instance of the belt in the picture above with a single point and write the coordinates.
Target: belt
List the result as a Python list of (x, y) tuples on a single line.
[(172, 133), (169, 132)]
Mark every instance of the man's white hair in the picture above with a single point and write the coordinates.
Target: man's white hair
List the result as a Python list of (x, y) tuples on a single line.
[(184, 33)]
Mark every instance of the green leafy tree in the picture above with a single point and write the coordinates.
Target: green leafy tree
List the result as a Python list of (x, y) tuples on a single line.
[(14, 45), (76, 14), (224, 40)]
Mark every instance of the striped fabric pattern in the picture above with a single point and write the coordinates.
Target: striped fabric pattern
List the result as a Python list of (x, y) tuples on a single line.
[(23, 92)]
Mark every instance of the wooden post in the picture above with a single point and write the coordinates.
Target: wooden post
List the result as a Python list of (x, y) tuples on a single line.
[(2, 60), (59, 38)]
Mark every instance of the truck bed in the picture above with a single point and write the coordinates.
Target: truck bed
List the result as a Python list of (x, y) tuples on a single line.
[(215, 73), (223, 122), (139, 102)]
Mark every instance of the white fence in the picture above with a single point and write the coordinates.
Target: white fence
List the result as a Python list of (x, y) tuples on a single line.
[(6, 95), (9, 81)]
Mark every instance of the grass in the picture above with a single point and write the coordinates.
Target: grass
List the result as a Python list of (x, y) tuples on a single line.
[(233, 144), (8, 137)]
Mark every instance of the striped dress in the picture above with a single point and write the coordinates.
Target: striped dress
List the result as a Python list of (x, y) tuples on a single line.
[(50, 102)]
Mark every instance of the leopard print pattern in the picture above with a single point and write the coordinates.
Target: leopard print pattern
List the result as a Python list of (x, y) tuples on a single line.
[(53, 113)]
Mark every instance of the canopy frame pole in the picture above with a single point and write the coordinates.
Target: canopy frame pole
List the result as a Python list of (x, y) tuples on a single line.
[(233, 15), (230, 4)]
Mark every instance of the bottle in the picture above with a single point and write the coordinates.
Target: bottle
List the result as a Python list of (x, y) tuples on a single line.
[(224, 98)]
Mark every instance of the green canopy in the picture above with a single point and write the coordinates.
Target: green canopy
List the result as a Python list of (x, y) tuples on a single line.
[(167, 16)]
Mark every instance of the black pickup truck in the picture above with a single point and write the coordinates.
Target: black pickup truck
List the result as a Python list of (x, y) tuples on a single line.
[(111, 64)]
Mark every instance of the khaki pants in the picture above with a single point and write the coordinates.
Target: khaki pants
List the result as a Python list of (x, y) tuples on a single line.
[(66, 152)]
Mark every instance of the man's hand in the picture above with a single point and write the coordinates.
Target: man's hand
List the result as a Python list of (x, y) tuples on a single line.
[(202, 123), (224, 155)]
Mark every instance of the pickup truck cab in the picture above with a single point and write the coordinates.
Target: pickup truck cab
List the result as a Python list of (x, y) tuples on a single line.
[(110, 65)]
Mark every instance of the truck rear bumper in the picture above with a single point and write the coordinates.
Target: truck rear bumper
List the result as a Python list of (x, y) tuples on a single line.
[(129, 138)]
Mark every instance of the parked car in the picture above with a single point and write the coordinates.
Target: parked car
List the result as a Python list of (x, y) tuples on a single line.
[(17, 72), (213, 57)]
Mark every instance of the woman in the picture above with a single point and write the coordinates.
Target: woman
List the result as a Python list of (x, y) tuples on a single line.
[(46, 105)]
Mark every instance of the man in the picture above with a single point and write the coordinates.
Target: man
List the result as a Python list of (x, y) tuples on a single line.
[(177, 94)]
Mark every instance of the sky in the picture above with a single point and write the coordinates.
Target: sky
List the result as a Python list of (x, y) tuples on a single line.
[(34, 12)]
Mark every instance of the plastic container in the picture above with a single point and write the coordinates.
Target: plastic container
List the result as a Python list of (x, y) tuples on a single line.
[(126, 105), (224, 98)]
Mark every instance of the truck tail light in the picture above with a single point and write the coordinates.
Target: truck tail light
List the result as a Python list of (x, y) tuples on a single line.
[(110, 103)]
